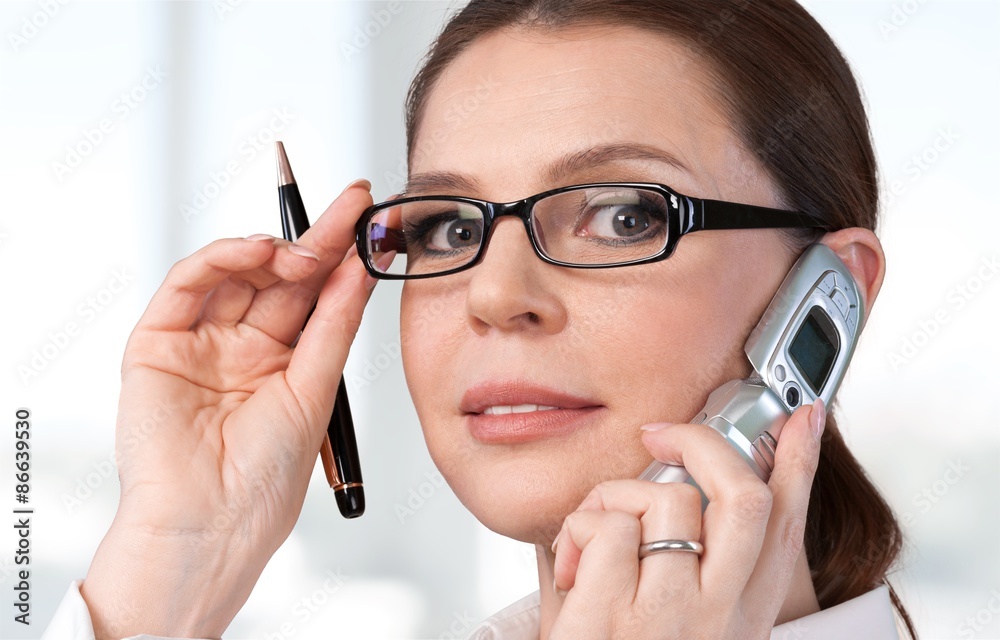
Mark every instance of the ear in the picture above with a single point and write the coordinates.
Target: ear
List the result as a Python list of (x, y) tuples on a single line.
[(861, 251)]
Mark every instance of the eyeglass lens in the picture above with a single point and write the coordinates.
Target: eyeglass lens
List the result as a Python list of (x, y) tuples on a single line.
[(588, 226)]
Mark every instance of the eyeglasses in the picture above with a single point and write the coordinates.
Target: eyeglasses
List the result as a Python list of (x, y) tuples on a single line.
[(587, 226)]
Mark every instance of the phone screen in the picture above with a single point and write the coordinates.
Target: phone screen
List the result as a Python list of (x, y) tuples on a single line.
[(814, 349)]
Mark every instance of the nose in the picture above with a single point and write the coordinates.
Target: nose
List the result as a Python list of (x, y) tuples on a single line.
[(511, 289)]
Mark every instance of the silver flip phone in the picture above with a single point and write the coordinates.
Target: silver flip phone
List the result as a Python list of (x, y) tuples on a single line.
[(799, 350)]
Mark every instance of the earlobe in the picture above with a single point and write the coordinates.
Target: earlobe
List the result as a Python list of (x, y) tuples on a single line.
[(861, 251)]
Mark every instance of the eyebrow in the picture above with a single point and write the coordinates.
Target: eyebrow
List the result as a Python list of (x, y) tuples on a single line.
[(433, 181), (555, 173), (606, 154)]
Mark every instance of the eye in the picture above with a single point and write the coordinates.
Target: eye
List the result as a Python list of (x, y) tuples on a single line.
[(619, 220), (621, 216), (442, 228), (455, 234)]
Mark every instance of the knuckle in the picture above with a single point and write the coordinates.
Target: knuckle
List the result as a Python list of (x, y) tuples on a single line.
[(753, 503), (800, 465), (791, 538), (686, 493), (593, 500), (604, 493), (574, 520), (213, 248), (810, 461), (620, 524), (350, 325), (343, 323), (174, 273), (675, 500), (598, 492), (621, 520)]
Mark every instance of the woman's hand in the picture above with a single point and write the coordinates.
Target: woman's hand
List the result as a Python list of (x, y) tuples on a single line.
[(752, 534), (220, 422)]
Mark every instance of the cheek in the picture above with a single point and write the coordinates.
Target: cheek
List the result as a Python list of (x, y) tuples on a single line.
[(675, 340), (430, 323), (419, 324), (680, 371)]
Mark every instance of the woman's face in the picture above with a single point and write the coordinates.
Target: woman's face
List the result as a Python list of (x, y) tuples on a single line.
[(520, 112)]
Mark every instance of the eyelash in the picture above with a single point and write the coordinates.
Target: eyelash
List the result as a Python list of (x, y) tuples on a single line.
[(417, 232)]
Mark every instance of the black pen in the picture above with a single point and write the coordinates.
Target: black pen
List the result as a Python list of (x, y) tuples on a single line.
[(339, 450)]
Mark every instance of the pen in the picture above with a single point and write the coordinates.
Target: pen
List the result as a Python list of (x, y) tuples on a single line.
[(339, 450)]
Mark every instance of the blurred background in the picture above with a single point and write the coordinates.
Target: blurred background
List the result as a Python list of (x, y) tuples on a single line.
[(132, 134)]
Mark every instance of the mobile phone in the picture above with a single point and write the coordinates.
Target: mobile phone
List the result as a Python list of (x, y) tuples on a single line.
[(799, 350)]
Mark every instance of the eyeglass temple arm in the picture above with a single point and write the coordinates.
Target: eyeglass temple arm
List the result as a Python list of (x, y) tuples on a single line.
[(698, 214)]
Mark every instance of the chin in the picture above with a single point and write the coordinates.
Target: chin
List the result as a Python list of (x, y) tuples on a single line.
[(522, 494), (534, 515)]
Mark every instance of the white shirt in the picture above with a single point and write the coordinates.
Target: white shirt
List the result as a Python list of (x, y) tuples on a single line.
[(869, 616)]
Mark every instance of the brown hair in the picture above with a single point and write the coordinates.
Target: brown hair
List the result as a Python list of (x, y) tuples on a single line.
[(794, 103)]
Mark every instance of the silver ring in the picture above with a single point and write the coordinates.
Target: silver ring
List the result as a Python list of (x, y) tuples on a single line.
[(660, 546)]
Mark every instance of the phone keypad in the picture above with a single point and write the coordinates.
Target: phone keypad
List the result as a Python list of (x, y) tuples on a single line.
[(828, 283), (840, 300), (840, 293), (852, 320)]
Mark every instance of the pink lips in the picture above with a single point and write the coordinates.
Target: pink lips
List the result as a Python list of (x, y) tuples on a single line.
[(513, 428)]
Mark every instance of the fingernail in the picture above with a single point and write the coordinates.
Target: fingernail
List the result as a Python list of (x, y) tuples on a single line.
[(817, 418), (260, 236), (655, 426), (305, 252), (559, 592), (555, 541), (360, 182)]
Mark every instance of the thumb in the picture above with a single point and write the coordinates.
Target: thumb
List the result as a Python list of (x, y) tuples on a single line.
[(318, 359)]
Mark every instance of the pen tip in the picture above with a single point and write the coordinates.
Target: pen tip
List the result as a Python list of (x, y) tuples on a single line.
[(284, 169)]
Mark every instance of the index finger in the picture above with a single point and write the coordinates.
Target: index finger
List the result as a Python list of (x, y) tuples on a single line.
[(331, 239), (176, 304), (332, 236), (735, 520), (795, 462)]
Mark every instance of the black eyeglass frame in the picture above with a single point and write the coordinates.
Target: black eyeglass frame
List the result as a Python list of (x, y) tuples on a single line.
[(685, 214)]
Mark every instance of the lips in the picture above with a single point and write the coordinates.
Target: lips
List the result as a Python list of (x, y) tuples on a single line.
[(515, 411)]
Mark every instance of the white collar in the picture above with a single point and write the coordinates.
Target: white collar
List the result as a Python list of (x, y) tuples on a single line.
[(868, 616)]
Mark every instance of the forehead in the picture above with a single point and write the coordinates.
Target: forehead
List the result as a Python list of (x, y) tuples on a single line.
[(518, 100)]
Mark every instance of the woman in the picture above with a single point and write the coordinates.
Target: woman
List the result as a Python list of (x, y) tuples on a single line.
[(746, 102)]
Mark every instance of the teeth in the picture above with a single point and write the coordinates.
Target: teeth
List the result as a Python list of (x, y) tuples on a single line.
[(517, 408)]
